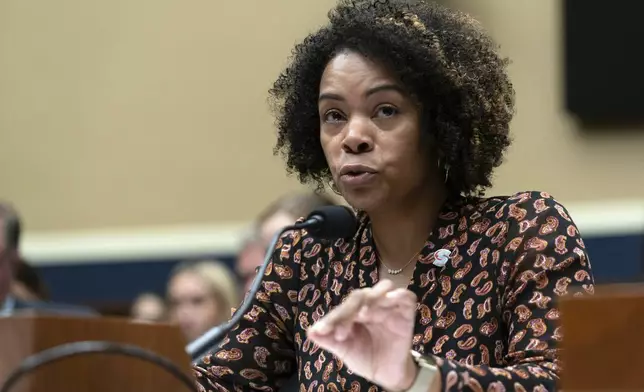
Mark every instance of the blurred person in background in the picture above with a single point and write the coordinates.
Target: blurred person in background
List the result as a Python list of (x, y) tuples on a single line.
[(280, 213), (148, 308), (201, 295), (10, 303), (28, 284), (9, 240), (250, 257), (286, 210)]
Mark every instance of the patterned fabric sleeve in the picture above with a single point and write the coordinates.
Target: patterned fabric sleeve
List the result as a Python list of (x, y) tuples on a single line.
[(544, 259), (258, 354)]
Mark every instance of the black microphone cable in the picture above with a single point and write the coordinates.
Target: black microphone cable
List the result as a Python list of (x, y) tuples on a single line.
[(68, 350), (200, 346)]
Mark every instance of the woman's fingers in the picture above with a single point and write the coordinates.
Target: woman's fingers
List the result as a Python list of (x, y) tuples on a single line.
[(340, 320), (343, 331), (381, 288), (343, 314), (396, 303), (366, 305), (403, 298), (398, 298), (363, 310)]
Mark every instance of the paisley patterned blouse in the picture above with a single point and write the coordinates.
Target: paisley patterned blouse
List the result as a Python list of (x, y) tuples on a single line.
[(488, 316)]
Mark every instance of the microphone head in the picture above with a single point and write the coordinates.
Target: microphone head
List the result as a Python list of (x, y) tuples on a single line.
[(333, 222)]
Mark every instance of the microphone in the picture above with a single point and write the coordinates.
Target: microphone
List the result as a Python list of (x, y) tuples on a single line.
[(328, 222)]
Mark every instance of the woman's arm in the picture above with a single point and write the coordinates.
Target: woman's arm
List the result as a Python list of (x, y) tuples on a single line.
[(544, 259), (258, 354)]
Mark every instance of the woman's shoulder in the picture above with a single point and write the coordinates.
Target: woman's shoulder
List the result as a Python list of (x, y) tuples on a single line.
[(521, 206)]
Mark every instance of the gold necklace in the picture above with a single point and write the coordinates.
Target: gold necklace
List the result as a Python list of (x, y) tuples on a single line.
[(397, 271)]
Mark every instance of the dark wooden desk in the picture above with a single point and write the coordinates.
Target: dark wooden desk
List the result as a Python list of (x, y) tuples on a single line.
[(603, 348), (26, 335)]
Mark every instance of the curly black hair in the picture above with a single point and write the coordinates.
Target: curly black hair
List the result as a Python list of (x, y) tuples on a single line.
[(443, 58)]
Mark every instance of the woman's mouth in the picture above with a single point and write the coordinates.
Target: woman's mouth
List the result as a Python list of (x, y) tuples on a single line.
[(356, 178)]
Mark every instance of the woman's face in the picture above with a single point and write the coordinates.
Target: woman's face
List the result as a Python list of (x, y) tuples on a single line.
[(370, 133), (193, 305), (148, 309)]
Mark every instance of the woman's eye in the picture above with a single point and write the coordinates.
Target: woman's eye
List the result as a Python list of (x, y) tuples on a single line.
[(386, 111), (333, 116)]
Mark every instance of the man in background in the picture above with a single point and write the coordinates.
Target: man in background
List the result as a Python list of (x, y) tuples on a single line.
[(280, 213), (27, 283), (10, 231), (9, 240)]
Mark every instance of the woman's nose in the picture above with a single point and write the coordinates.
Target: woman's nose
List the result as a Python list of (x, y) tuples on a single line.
[(358, 139)]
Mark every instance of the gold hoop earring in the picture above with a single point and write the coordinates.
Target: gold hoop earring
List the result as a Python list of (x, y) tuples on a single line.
[(444, 168)]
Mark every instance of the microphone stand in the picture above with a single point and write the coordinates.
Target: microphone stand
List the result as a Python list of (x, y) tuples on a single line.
[(200, 346)]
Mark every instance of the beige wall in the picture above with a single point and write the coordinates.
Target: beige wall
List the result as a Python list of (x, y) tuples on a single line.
[(550, 151), (128, 113), (142, 112)]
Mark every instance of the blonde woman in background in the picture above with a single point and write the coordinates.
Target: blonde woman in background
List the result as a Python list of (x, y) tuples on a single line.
[(200, 296)]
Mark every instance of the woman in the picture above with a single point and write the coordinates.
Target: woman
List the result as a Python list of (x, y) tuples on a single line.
[(200, 296), (405, 109), (282, 212), (148, 308)]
